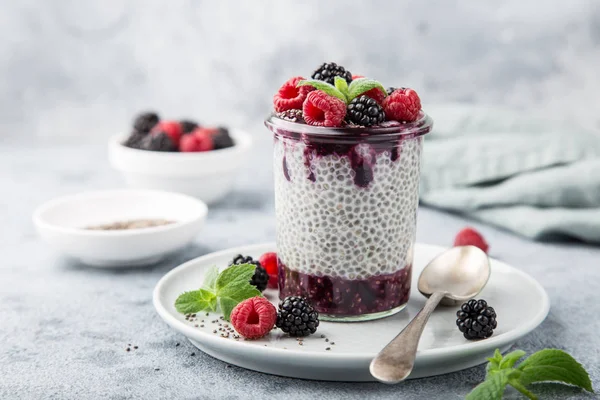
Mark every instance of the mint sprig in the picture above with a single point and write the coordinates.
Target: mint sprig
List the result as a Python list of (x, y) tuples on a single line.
[(342, 90), (549, 365), (221, 291)]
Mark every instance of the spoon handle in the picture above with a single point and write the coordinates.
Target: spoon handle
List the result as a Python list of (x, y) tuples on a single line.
[(395, 362)]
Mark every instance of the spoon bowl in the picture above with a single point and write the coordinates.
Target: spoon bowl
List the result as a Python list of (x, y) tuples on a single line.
[(452, 277), (460, 272)]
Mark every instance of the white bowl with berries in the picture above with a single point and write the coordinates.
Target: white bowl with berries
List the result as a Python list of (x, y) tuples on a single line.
[(179, 156)]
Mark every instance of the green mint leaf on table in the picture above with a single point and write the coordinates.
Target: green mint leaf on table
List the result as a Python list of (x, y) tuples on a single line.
[(325, 87), (210, 278), (553, 365), (341, 85), (509, 360), (362, 85), (196, 301), (549, 365), (490, 389)]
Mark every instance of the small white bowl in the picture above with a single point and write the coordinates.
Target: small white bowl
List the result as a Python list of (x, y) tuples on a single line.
[(61, 222), (206, 175)]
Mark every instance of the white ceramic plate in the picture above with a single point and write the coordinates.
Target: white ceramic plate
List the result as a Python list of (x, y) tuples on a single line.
[(61, 223), (520, 302)]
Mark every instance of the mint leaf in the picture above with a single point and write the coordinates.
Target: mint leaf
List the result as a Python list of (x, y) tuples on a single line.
[(362, 85), (325, 87), (196, 301), (226, 305), (514, 382), (492, 388), (210, 278), (233, 286), (341, 85), (494, 362), (554, 365), (509, 360), (235, 275)]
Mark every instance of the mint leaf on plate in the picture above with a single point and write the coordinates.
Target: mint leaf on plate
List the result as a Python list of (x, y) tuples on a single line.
[(196, 301), (556, 366), (210, 278), (325, 87), (225, 290)]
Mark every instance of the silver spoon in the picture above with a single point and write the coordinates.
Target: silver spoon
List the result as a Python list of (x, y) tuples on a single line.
[(451, 278)]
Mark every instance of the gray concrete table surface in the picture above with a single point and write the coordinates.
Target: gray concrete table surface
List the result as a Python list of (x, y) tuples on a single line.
[(64, 327)]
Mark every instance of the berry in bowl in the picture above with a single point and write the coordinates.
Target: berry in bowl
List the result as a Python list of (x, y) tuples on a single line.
[(347, 160), (180, 156)]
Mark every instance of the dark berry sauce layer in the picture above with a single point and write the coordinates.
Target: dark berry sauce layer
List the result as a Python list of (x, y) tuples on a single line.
[(344, 297), (346, 142)]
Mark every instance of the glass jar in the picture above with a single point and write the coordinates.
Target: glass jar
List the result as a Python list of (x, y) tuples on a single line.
[(346, 203)]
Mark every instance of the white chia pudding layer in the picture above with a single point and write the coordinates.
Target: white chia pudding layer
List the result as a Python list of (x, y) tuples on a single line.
[(327, 225)]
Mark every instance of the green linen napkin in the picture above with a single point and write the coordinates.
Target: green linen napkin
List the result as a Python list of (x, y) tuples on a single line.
[(536, 177)]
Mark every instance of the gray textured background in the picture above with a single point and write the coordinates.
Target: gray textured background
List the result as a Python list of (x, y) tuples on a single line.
[(74, 72)]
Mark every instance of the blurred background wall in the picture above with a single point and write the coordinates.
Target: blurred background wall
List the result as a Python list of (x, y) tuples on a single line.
[(76, 71)]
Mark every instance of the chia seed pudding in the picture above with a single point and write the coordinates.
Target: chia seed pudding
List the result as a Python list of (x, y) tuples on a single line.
[(346, 202)]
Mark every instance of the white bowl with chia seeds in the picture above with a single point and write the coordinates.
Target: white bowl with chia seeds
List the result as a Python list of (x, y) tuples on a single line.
[(207, 175), (120, 228)]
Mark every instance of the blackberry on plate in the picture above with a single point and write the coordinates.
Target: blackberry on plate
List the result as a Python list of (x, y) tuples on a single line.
[(188, 126), (260, 279), (159, 141), (476, 320), (144, 122), (365, 111), (297, 317), (135, 140), (328, 71), (222, 139)]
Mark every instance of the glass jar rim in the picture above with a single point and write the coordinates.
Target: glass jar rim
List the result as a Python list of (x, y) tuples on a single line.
[(421, 126)]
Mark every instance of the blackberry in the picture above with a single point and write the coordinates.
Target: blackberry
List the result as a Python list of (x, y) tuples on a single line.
[(476, 320), (328, 71), (260, 279), (144, 122), (135, 140), (297, 317), (365, 111), (158, 142), (188, 126), (221, 139)]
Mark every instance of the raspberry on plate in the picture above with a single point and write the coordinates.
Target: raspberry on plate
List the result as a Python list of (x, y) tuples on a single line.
[(171, 128), (321, 109), (254, 318), (402, 105), (470, 237), (269, 263), (290, 96)]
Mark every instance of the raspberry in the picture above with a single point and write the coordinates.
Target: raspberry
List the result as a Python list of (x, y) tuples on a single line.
[(269, 263), (171, 128), (290, 96), (402, 105), (323, 110), (376, 94), (470, 237), (194, 142), (254, 318)]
